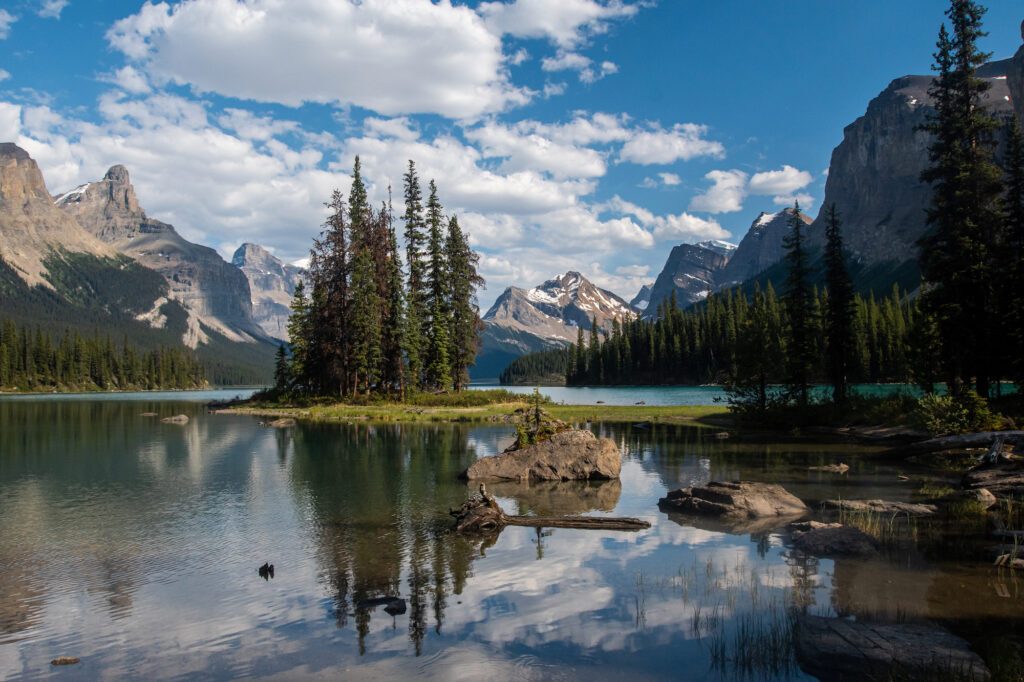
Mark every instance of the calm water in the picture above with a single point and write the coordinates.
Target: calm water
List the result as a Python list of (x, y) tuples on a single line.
[(134, 545)]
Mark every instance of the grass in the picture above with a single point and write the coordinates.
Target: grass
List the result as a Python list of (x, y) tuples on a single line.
[(467, 406)]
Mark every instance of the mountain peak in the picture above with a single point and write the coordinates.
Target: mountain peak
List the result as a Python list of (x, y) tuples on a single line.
[(118, 175)]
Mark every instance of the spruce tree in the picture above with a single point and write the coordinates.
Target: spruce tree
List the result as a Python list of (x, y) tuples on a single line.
[(438, 332), (465, 315), (799, 313), (394, 330), (1012, 271), (365, 320), (957, 255), (416, 306), (282, 370), (839, 310), (298, 332)]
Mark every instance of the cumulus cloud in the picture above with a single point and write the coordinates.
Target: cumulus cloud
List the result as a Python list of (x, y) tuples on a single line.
[(52, 8), (681, 227), (633, 270), (670, 179), (129, 79), (683, 141), (806, 200), (390, 56), (523, 151), (725, 195), (566, 23), (783, 181), (6, 19), (584, 66), (4, 75)]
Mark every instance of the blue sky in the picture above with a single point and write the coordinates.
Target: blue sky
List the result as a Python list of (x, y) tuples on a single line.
[(567, 134)]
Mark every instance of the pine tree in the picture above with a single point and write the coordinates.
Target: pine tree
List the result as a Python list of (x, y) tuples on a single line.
[(416, 305), (839, 310), (282, 370), (465, 315), (394, 330), (365, 320), (438, 331), (798, 300), (298, 332), (1012, 270), (957, 254)]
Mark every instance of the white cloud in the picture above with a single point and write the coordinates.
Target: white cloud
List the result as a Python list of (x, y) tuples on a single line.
[(6, 19), (248, 126), (683, 141), (390, 56), (648, 183), (670, 179), (633, 270), (525, 151), (784, 181), (671, 227), (806, 200), (52, 8), (518, 57), (401, 128), (4, 75), (725, 195), (594, 75), (130, 80), (553, 89), (565, 61), (565, 22)]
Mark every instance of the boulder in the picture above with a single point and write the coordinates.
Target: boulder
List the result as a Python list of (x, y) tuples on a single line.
[(831, 539), (1002, 480), (979, 496), (880, 507), (734, 499), (281, 423), (836, 649), (565, 456), (840, 468), (176, 419)]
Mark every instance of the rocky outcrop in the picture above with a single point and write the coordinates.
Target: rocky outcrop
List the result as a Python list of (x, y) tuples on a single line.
[(840, 650), (735, 499), (1002, 480), (272, 285), (549, 316), (566, 456), (690, 272), (643, 297), (32, 228), (831, 540), (979, 497), (1015, 79), (883, 507), (214, 292), (760, 248)]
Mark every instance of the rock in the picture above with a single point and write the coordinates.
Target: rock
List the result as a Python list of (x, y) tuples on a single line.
[(832, 468), (880, 507), (836, 649), (65, 660), (566, 456), (281, 423), (759, 249), (1002, 480), (831, 539), (266, 571), (689, 271), (176, 419), (148, 414), (272, 284), (737, 499), (979, 496), (722, 435)]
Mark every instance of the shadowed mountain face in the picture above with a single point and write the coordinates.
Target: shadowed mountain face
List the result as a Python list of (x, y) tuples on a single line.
[(548, 316), (272, 284), (760, 248), (690, 272), (214, 292)]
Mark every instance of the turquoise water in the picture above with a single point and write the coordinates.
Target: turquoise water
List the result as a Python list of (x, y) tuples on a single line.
[(134, 545)]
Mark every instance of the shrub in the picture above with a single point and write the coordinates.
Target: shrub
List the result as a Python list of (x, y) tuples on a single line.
[(952, 414)]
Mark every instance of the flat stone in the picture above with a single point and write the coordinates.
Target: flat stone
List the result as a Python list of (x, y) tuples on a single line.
[(1002, 480), (281, 423), (980, 496), (832, 539), (574, 454), (835, 649), (738, 499), (64, 660), (832, 468), (881, 507), (176, 419)]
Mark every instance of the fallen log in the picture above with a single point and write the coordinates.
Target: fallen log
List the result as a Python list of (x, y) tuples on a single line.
[(482, 514), (982, 439)]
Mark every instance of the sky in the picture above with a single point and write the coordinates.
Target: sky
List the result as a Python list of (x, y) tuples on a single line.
[(591, 135)]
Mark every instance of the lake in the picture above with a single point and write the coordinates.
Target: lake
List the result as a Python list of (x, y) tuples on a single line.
[(134, 545)]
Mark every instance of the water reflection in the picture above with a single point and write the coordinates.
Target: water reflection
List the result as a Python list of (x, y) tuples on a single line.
[(135, 545)]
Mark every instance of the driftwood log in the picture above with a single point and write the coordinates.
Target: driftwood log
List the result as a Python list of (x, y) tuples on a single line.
[(984, 439), (482, 514)]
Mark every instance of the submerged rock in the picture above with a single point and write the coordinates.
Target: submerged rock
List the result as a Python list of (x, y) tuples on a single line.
[(979, 496), (565, 456), (280, 423), (831, 539), (880, 507), (734, 499), (176, 419), (836, 649), (1002, 480), (840, 468), (65, 660)]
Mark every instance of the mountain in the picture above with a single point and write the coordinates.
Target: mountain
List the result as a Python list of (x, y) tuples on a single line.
[(760, 248), (272, 284), (643, 297), (214, 293), (690, 271), (548, 316)]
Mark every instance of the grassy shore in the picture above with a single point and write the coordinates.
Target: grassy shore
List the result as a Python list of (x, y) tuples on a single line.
[(471, 406)]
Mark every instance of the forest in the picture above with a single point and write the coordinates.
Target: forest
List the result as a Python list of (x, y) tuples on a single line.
[(34, 361), (365, 327), (964, 325)]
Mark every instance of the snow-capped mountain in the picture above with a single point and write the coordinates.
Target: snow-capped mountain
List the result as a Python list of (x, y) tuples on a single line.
[(643, 297), (690, 272), (547, 316), (760, 248)]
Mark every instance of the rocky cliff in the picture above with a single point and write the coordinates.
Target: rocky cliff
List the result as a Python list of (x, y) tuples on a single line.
[(548, 316), (690, 271), (272, 284), (643, 297), (214, 292), (31, 228), (760, 248)]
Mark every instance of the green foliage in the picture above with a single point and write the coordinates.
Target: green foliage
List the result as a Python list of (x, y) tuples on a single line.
[(800, 316), (953, 414), (545, 367)]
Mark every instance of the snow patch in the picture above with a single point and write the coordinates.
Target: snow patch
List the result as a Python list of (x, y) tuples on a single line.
[(765, 218), (76, 192)]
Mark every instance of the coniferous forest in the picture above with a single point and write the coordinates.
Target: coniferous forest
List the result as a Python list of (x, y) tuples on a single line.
[(34, 361), (964, 326), (365, 325)]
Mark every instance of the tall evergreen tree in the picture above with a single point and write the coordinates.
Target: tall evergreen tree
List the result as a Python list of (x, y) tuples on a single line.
[(282, 370), (394, 330), (1012, 271), (464, 280), (839, 332), (416, 299), (298, 332), (798, 300), (438, 332), (957, 255)]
